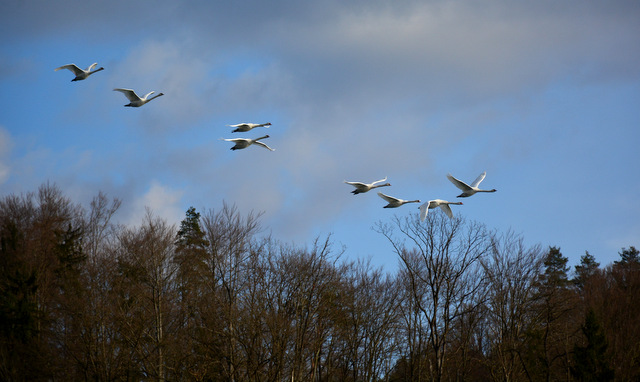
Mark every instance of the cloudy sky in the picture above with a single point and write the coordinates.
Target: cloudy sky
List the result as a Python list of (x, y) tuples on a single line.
[(544, 96)]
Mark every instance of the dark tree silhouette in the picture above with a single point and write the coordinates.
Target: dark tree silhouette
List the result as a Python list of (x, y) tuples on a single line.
[(587, 268), (591, 362)]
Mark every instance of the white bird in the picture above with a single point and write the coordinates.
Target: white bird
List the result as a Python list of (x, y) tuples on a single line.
[(242, 143), (395, 202), (80, 74), (469, 190), (431, 204), (364, 187), (135, 100), (242, 127)]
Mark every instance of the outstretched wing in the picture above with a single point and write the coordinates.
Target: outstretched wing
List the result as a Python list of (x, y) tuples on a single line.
[(234, 139), (447, 210), (129, 93), (388, 198), (424, 210), (356, 184), (263, 145), (479, 179), (92, 66), (458, 183), (71, 67), (378, 181)]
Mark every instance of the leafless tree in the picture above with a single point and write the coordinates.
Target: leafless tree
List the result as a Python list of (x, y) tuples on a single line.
[(145, 260), (511, 271), (445, 278), (367, 326), (223, 279)]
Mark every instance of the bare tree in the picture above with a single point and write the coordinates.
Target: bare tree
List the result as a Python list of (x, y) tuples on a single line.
[(145, 259), (97, 341), (367, 325), (511, 271), (312, 286), (444, 274), (223, 277)]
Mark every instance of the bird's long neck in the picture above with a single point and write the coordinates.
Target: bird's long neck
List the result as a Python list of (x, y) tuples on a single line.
[(97, 70), (494, 190), (257, 139), (155, 96), (379, 185), (458, 203)]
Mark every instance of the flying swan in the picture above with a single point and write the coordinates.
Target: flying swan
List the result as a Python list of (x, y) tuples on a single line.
[(395, 202), (80, 74), (431, 204), (242, 127), (135, 100), (242, 143), (364, 187), (469, 190)]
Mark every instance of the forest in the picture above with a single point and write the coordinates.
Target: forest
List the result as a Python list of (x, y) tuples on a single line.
[(214, 298)]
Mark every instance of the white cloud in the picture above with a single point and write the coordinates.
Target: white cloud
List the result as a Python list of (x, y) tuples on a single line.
[(163, 201)]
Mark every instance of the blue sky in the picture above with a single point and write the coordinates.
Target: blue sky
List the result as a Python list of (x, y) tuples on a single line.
[(544, 96)]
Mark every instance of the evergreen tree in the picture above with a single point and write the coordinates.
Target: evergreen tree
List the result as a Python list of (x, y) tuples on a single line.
[(590, 361), (556, 268), (588, 266), (548, 340), (18, 310), (191, 257), (190, 234), (629, 256), (191, 247)]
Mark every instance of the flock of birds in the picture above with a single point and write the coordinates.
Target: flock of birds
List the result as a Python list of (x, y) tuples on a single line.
[(136, 101), (242, 143), (82, 74), (467, 190)]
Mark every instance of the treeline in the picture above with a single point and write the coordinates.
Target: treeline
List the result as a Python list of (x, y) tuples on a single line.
[(213, 298)]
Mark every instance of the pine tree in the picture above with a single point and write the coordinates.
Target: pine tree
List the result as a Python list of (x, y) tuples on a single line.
[(191, 247), (190, 234), (591, 361), (587, 268), (629, 256), (548, 342), (556, 268)]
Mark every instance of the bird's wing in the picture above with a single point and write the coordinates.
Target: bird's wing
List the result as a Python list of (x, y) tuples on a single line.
[(447, 210), (355, 184), (148, 94), (424, 210), (458, 183), (92, 66), (129, 93), (233, 139), (263, 145), (71, 67), (378, 181), (479, 179), (388, 198)]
